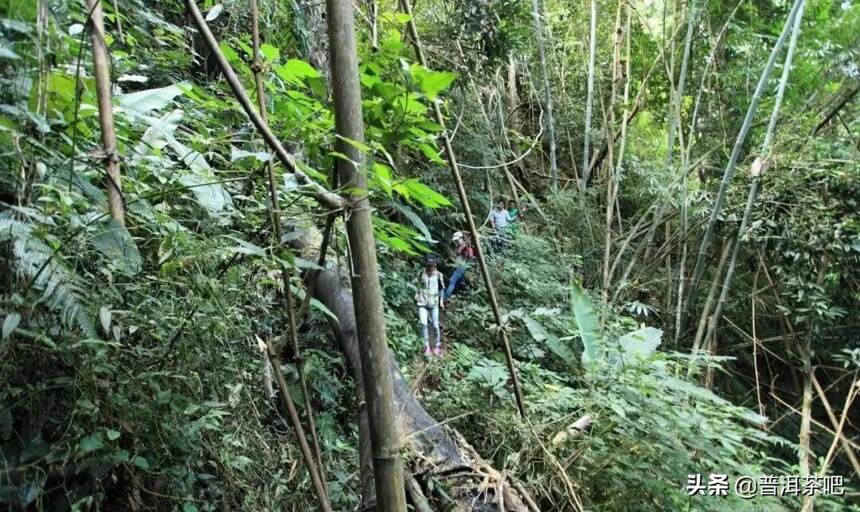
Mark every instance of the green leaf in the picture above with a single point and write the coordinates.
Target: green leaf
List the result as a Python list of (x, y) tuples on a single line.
[(239, 154), (364, 148), (270, 52), (189, 507), (382, 177), (586, 322), (641, 343), (116, 243), (414, 218), (112, 434), (426, 196), (10, 323), (90, 444), (246, 247), (295, 71), (229, 53), (143, 102), (431, 153), (7, 52), (214, 12), (431, 82), (140, 462)]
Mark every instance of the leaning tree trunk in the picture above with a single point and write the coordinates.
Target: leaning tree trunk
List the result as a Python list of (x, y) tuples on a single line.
[(435, 453), (699, 267)]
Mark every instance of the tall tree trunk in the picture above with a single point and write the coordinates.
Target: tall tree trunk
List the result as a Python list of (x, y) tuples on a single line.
[(698, 269), (586, 169), (547, 91), (611, 181), (367, 296), (286, 275), (470, 221), (101, 71)]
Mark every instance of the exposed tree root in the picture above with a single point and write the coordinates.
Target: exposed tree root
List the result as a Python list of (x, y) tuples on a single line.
[(448, 472)]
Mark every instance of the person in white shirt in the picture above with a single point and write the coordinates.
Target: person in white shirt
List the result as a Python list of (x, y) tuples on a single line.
[(499, 219), (429, 299)]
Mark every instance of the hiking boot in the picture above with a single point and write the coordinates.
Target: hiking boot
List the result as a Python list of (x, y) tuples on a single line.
[(437, 351), (427, 351)]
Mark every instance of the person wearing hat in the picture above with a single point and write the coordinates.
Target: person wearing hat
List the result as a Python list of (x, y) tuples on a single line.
[(429, 300), (464, 254)]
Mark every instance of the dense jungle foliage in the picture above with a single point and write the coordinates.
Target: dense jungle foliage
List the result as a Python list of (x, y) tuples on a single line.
[(680, 293)]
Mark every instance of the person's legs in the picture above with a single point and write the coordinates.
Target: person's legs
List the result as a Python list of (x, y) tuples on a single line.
[(425, 334), (434, 319), (456, 277)]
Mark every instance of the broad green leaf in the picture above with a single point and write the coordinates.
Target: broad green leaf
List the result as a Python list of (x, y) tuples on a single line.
[(431, 82), (364, 148), (90, 444), (586, 322), (382, 177), (414, 218), (431, 153), (112, 434), (295, 71), (239, 154), (641, 343), (229, 53), (140, 462), (426, 196), (214, 12), (7, 53), (270, 52)]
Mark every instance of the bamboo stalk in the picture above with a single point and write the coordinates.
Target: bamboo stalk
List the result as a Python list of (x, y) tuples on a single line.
[(467, 210), (286, 274), (296, 423), (101, 71), (700, 331), (611, 174), (699, 269), (586, 169), (547, 91), (367, 295), (849, 451), (758, 167)]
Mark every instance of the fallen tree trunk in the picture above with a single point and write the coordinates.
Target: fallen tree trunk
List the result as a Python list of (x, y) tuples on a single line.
[(432, 451)]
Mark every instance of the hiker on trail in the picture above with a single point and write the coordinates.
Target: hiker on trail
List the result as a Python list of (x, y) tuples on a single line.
[(429, 300), (513, 211), (464, 255), (514, 216), (499, 219)]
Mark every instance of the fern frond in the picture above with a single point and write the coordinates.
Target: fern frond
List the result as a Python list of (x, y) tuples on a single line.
[(61, 289)]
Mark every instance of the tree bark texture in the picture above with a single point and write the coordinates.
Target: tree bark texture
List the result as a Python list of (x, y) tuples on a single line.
[(101, 71), (370, 322)]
